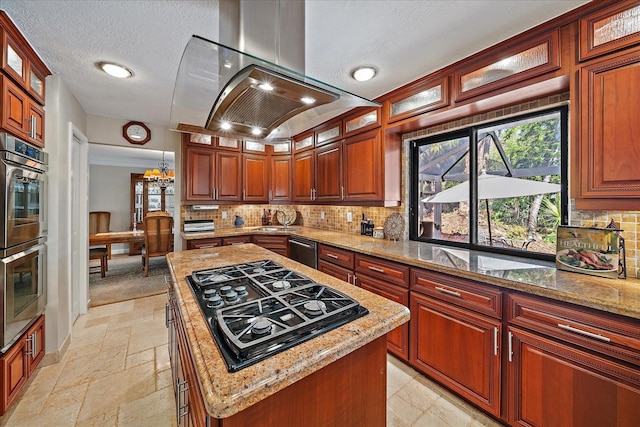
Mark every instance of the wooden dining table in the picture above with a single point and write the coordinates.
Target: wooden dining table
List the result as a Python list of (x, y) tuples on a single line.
[(116, 237)]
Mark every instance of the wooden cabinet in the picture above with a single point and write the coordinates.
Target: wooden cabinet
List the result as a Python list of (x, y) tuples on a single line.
[(613, 28), (19, 362), (328, 132), (459, 348), (23, 86), (389, 280), (277, 244), (364, 168), (397, 339), (211, 175), (418, 97), (451, 316), (553, 384), (236, 240), (328, 182), (561, 356), (21, 116), (304, 176), (609, 133), (204, 243), (256, 178), (337, 262), (280, 178), (190, 410)]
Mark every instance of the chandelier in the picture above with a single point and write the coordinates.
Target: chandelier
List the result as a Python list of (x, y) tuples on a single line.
[(162, 176)]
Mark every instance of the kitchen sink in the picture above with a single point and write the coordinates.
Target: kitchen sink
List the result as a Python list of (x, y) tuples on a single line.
[(278, 229)]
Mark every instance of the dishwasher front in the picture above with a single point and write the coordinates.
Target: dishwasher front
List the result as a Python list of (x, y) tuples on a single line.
[(303, 251)]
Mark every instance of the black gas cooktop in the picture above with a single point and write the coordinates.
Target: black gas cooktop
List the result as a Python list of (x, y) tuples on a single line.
[(257, 309)]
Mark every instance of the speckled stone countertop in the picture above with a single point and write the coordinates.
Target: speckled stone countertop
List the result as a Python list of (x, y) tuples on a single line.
[(225, 393), (620, 296)]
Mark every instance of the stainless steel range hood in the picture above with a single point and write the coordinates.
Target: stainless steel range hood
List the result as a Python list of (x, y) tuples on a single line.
[(230, 92)]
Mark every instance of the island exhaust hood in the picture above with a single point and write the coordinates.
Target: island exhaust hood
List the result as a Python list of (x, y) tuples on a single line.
[(230, 92)]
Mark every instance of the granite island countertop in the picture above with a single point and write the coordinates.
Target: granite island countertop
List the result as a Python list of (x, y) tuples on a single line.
[(619, 296), (227, 393)]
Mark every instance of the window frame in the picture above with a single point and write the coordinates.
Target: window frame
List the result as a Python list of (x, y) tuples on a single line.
[(471, 132)]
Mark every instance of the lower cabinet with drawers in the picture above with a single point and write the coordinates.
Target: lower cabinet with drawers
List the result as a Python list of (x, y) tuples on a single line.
[(570, 366), (456, 331)]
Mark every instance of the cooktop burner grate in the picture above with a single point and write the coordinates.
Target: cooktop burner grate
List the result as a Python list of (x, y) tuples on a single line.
[(258, 309)]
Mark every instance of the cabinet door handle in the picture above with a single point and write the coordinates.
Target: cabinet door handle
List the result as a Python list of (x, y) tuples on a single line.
[(244, 194), (342, 192), (166, 315), (379, 270), (495, 341), (354, 279), (448, 292), (585, 333), (182, 408), (348, 277), (207, 246), (32, 126), (237, 243), (510, 342), (332, 256)]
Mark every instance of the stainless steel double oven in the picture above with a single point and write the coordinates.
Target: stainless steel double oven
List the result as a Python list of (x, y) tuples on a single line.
[(23, 234)]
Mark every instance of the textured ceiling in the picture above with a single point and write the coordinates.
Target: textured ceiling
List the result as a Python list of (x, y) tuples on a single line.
[(404, 39)]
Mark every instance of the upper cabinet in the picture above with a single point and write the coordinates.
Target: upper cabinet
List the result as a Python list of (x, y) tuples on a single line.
[(362, 121), (609, 149), (499, 68), (420, 97), (23, 85), (330, 132), (608, 30)]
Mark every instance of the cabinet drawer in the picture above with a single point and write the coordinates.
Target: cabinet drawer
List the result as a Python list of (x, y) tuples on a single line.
[(271, 242), (608, 334), (336, 256), (480, 298), (336, 271), (203, 243), (235, 240), (385, 270)]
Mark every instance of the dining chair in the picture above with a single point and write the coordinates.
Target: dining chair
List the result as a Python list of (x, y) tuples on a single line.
[(99, 222), (158, 237)]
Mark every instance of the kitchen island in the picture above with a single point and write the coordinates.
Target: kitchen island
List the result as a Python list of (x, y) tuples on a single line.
[(336, 378)]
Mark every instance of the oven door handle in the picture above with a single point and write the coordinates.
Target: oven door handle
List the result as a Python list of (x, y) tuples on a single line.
[(21, 254)]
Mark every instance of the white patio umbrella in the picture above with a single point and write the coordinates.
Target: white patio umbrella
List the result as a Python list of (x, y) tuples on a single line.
[(493, 187)]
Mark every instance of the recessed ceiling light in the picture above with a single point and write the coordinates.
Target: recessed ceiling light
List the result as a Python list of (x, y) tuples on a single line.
[(307, 100), (256, 131), (362, 74), (115, 70), (265, 86), (225, 126)]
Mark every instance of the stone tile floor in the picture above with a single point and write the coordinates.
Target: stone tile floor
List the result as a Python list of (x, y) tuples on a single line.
[(116, 373)]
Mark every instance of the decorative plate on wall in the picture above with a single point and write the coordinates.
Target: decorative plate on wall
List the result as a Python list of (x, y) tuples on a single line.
[(286, 215), (394, 226)]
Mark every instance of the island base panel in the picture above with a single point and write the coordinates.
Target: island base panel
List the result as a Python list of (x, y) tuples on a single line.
[(349, 392)]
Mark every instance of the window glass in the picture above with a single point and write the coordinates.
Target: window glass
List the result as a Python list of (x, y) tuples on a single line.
[(497, 186)]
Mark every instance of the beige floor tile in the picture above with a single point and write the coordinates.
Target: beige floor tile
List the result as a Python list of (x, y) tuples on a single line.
[(445, 413), (106, 419), (155, 409), (400, 413), (136, 359), (162, 358), (109, 392), (90, 367), (94, 321), (110, 309), (397, 376), (88, 335), (164, 379), (418, 395)]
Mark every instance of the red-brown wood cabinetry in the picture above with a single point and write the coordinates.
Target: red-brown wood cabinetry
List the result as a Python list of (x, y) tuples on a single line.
[(553, 384), (256, 178), (304, 176), (328, 180), (390, 280), (277, 244), (19, 362), (459, 348), (609, 138), (337, 262), (204, 243), (21, 116), (280, 178), (211, 175)]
